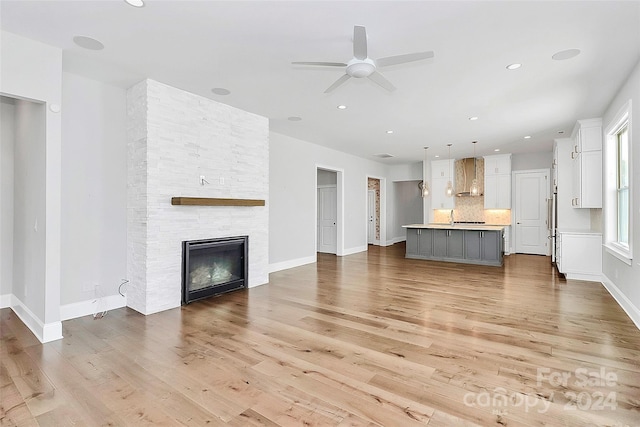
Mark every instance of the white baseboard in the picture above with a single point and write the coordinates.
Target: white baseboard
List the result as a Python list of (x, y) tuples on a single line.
[(292, 263), (45, 332), (355, 250), (395, 240), (632, 311), (92, 306), (582, 276), (5, 301)]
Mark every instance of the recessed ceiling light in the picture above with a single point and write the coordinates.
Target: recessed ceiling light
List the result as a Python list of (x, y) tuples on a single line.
[(565, 54), (220, 91), (294, 119), (389, 131), (527, 137), (513, 66), (342, 107), (497, 149), (135, 3), (436, 156), (473, 118), (88, 43)]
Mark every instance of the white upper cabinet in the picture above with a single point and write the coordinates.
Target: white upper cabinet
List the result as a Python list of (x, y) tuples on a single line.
[(441, 172), (586, 159), (442, 168), (497, 164), (497, 181)]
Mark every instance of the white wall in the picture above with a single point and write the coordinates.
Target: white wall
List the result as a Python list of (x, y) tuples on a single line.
[(623, 280), (405, 172), (7, 140), (396, 217), (94, 191), (527, 161), (408, 207), (292, 193), (29, 206), (33, 71)]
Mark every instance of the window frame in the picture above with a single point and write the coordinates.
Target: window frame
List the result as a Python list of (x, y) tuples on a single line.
[(612, 189)]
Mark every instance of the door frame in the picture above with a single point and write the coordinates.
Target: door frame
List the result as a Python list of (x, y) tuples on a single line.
[(339, 208), (318, 228), (383, 210), (371, 240), (514, 205)]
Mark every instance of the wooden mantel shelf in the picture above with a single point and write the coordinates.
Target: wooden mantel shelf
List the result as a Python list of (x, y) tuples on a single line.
[(206, 201)]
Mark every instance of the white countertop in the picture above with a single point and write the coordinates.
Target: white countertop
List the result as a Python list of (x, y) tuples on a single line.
[(482, 227)]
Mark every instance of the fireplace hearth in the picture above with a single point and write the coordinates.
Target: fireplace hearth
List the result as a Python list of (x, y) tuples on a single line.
[(213, 266)]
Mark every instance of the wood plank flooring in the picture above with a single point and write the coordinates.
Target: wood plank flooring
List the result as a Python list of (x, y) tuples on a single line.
[(370, 339)]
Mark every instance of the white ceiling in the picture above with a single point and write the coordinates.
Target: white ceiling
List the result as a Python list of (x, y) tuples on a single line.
[(248, 47)]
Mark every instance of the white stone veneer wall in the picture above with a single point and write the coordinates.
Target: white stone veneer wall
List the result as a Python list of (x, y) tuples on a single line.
[(174, 137)]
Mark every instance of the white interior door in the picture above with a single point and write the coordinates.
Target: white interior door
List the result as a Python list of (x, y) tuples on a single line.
[(371, 217), (327, 215), (531, 214)]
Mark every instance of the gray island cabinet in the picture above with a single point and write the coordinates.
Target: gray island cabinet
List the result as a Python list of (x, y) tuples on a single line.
[(471, 244)]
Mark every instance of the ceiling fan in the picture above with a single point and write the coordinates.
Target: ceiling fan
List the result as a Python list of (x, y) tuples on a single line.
[(363, 66)]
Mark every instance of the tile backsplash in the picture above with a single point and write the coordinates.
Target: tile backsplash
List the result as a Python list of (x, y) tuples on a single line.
[(472, 209)]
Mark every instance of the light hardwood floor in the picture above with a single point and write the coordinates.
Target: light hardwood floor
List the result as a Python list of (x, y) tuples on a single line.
[(368, 339)]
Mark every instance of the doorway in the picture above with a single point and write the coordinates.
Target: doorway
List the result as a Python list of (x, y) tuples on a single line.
[(532, 224), (371, 214), (328, 212), (373, 211)]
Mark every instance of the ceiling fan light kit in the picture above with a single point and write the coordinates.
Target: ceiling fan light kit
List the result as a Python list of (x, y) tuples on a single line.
[(361, 66)]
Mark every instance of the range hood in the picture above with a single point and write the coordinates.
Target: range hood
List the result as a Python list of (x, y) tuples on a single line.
[(466, 170)]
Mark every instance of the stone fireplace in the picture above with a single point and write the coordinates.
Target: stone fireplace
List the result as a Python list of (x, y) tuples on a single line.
[(174, 139)]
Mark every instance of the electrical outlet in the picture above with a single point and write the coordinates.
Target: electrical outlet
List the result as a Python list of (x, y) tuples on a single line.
[(222, 180)]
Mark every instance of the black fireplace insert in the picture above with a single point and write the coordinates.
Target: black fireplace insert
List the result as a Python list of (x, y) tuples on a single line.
[(213, 266)]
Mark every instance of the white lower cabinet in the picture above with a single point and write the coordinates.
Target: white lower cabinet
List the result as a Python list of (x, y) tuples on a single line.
[(579, 255), (497, 191)]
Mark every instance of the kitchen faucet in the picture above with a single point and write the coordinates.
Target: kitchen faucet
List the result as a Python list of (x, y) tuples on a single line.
[(451, 217)]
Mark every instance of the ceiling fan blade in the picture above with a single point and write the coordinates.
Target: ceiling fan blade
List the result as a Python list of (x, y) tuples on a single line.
[(322, 64), (359, 42), (382, 81), (401, 59), (337, 83)]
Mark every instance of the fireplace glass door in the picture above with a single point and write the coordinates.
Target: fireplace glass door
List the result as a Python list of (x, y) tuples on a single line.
[(213, 266)]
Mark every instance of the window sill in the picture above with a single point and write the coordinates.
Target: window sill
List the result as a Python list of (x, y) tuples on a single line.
[(622, 255)]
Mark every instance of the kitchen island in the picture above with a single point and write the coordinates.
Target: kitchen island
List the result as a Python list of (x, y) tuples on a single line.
[(464, 243)]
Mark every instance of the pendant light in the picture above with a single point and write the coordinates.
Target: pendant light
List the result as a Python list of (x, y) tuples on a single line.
[(474, 190), (424, 185), (449, 190)]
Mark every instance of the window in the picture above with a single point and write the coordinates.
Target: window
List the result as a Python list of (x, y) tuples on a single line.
[(622, 187), (618, 171)]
